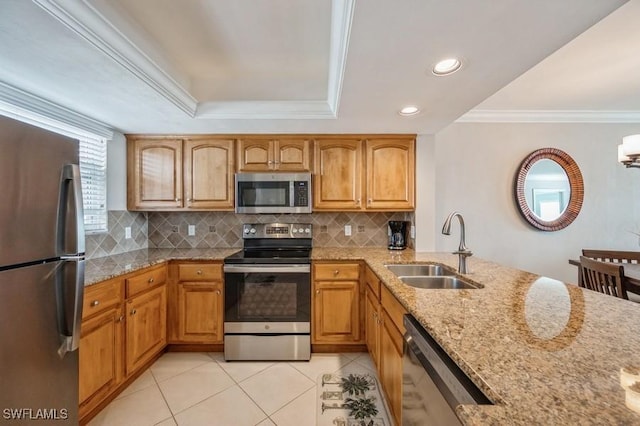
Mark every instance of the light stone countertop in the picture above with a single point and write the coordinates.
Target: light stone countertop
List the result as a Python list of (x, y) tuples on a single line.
[(543, 351)]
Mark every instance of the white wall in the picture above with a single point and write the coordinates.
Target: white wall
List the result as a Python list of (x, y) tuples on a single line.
[(475, 170), (425, 193), (117, 173)]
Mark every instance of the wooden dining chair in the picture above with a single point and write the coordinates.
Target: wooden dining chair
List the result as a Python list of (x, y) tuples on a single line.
[(603, 277), (614, 256)]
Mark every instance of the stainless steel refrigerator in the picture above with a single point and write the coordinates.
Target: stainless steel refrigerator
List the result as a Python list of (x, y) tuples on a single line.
[(41, 275)]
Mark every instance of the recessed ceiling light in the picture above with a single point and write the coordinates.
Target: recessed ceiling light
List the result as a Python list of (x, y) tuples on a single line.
[(447, 66), (409, 110)]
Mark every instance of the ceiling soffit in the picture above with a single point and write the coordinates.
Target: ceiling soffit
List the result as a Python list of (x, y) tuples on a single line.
[(102, 26)]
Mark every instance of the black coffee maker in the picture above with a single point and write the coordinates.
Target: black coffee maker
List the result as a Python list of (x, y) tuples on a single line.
[(398, 234)]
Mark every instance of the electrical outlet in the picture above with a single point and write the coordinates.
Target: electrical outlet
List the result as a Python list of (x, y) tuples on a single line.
[(324, 229), (212, 229), (192, 230), (360, 228), (127, 232), (413, 231), (347, 230)]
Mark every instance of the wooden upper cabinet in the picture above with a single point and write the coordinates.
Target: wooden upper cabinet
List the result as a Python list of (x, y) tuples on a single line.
[(338, 169), (180, 174), (390, 180), (154, 174), (282, 154), (208, 173)]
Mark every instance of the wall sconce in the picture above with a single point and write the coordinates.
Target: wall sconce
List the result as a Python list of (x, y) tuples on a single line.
[(629, 151)]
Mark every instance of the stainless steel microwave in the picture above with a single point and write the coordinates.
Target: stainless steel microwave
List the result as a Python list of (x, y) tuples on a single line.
[(273, 192)]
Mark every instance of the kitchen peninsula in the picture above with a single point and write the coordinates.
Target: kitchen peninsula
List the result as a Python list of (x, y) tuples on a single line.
[(544, 352)]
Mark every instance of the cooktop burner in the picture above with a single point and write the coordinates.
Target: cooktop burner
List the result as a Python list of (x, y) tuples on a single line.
[(274, 243)]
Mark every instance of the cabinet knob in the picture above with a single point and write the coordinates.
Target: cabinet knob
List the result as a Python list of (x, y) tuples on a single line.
[(358, 202), (369, 201), (199, 272), (269, 162), (121, 318), (317, 291), (189, 199), (151, 280), (177, 200), (336, 272), (218, 292), (95, 303), (133, 312)]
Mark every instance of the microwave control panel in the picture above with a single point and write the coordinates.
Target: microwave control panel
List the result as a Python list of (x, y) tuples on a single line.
[(300, 193)]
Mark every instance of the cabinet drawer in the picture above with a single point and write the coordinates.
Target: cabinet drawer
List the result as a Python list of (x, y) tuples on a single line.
[(149, 278), (200, 272), (394, 309), (372, 282), (336, 271), (100, 297)]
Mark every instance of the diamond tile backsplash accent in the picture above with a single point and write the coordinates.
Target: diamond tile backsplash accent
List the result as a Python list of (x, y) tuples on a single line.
[(223, 229), (114, 241)]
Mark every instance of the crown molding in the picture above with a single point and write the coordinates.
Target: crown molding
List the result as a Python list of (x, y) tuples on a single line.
[(549, 116), (25, 106), (95, 27), (86, 21), (341, 20)]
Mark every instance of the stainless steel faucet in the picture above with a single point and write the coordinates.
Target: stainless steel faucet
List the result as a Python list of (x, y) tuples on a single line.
[(463, 252)]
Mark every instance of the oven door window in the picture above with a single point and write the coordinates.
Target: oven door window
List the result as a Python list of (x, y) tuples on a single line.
[(263, 194), (257, 297)]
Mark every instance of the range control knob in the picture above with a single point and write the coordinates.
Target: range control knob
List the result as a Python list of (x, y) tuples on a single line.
[(246, 230), (307, 231), (294, 231), (300, 230), (252, 230)]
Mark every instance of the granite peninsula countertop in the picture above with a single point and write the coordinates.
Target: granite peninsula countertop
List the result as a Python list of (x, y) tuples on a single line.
[(545, 352)]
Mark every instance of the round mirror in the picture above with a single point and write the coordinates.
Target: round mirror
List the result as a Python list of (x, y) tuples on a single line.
[(549, 189)]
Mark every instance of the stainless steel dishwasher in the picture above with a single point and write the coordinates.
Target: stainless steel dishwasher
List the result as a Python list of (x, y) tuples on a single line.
[(433, 385)]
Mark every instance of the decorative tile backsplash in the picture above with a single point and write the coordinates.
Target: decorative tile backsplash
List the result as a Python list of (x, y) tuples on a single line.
[(114, 242), (224, 230)]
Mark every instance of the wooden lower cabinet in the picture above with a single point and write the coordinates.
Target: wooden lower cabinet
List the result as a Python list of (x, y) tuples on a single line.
[(372, 325), (384, 336), (337, 304), (390, 369), (200, 312), (100, 357), (146, 327)]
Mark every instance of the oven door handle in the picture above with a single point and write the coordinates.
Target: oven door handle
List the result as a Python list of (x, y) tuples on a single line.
[(266, 269)]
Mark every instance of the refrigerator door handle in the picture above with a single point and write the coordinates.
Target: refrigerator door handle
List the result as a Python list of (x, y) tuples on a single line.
[(71, 178), (69, 306)]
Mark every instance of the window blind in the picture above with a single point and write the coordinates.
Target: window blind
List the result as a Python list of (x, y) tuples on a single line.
[(93, 173)]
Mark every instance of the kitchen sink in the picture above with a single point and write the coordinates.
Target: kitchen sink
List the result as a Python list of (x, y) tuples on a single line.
[(442, 282), (409, 269)]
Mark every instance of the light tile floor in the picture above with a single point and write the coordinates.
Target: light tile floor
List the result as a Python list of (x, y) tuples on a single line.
[(190, 389)]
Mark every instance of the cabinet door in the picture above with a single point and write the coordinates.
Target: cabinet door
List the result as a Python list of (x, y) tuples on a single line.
[(200, 312), (255, 155), (372, 325), (101, 358), (390, 167), (292, 155), (146, 324), (338, 175), (391, 365), (154, 174), (336, 314), (208, 174)]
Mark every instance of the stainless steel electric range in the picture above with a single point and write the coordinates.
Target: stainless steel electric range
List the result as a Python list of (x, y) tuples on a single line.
[(267, 288)]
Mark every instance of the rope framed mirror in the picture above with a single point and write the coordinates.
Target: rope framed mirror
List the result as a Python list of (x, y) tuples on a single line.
[(549, 189)]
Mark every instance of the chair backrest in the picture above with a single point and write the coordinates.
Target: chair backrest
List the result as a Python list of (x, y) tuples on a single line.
[(603, 277), (614, 256)]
